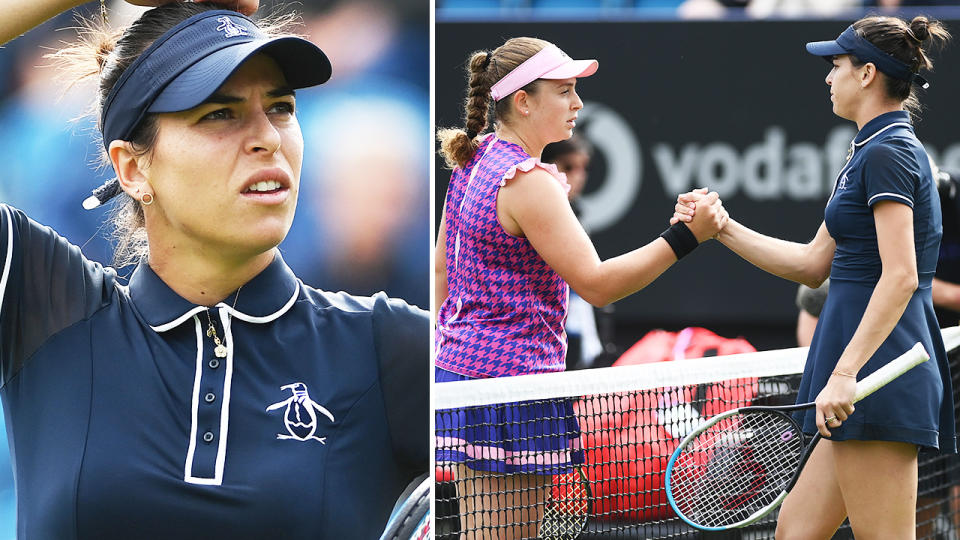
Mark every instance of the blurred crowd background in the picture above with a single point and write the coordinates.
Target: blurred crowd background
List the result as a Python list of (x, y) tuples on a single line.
[(362, 223)]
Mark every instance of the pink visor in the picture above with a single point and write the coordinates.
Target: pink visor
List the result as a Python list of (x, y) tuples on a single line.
[(549, 63)]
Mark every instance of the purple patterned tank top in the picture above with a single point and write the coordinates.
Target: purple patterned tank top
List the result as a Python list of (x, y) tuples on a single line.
[(505, 311)]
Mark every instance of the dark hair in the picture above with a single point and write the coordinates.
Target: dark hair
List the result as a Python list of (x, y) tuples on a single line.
[(574, 145), (486, 68), (106, 53), (905, 42)]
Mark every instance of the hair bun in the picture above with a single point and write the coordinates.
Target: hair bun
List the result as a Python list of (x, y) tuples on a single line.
[(919, 30)]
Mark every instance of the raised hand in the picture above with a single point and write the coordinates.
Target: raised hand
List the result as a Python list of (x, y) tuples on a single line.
[(247, 7)]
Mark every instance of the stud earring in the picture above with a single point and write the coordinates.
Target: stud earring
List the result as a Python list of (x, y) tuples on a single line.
[(146, 199)]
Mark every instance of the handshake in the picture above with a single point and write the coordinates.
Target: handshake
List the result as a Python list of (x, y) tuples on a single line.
[(702, 212)]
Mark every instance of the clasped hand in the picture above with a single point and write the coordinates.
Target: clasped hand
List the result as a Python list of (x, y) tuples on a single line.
[(702, 211)]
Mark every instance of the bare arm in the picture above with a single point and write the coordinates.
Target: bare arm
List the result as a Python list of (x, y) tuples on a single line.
[(946, 294), (534, 205), (898, 280), (808, 263), (19, 16), (806, 325), (440, 287), (804, 263)]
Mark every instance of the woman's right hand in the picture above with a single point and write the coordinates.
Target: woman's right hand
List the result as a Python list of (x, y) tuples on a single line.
[(247, 7), (703, 213)]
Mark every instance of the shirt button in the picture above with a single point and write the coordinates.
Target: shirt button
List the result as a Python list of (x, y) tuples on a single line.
[(214, 363), (208, 436), (209, 397)]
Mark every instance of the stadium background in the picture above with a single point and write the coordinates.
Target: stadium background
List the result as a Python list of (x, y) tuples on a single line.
[(363, 217)]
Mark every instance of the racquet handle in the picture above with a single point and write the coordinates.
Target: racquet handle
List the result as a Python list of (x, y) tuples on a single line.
[(893, 369)]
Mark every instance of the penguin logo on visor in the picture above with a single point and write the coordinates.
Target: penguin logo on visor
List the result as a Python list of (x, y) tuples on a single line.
[(300, 416), (229, 28)]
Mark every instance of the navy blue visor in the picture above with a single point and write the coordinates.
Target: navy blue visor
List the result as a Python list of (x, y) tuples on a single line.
[(849, 42), (187, 64)]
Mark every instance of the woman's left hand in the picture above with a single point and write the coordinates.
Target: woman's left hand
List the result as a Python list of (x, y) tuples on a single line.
[(686, 206), (835, 402)]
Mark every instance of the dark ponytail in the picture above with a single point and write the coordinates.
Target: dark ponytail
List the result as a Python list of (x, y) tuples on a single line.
[(907, 42)]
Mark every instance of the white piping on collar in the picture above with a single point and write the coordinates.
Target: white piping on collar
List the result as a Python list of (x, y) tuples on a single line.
[(266, 318), (8, 260), (238, 314), (879, 131), (176, 322), (853, 150)]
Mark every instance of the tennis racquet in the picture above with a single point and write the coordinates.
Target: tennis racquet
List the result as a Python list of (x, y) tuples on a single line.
[(738, 466), (411, 517), (566, 512)]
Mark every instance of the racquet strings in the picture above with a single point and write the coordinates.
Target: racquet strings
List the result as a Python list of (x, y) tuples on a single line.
[(736, 467), (628, 422), (565, 513)]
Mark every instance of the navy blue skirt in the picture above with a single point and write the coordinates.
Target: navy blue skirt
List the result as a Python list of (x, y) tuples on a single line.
[(917, 407), (533, 437)]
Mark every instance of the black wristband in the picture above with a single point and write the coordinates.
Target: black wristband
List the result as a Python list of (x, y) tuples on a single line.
[(680, 238)]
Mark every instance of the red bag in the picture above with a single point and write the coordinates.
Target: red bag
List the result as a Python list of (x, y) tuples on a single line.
[(628, 438)]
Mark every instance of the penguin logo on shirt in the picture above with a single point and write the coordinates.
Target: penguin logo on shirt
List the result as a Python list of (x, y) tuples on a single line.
[(843, 183), (300, 416)]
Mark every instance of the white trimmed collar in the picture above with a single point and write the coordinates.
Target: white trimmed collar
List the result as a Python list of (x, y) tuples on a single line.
[(263, 299)]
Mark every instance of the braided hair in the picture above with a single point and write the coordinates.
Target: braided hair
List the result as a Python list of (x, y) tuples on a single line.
[(458, 146)]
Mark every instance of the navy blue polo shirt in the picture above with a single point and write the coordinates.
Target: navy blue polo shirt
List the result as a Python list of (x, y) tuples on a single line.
[(887, 163), (125, 423)]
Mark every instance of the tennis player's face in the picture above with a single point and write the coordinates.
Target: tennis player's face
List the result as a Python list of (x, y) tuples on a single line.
[(226, 174), (844, 86), (554, 108)]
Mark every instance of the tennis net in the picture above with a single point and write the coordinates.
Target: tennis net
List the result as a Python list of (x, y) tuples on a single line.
[(595, 469)]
